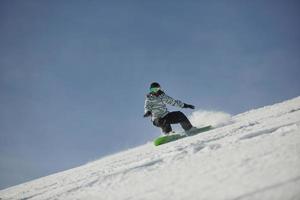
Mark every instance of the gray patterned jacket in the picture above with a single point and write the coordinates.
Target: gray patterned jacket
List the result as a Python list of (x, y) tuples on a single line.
[(157, 104)]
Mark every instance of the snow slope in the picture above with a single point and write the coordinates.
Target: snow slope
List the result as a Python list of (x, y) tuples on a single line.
[(256, 156)]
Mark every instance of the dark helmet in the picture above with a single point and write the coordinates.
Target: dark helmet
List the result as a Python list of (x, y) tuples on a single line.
[(154, 85)]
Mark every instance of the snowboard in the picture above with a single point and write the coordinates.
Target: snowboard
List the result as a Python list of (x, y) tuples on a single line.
[(170, 138)]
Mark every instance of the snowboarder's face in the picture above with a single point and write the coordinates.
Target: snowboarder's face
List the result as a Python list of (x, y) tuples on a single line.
[(154, 90)]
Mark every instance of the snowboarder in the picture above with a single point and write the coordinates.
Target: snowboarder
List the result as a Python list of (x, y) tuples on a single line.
[(155, 106)]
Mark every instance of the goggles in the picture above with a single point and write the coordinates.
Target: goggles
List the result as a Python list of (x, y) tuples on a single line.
[(154, 90)]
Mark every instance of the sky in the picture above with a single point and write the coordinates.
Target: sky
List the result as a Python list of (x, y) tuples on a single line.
[(74, 75)]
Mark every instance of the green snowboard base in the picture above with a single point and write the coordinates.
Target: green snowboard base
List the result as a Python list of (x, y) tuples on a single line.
[(170, 138)]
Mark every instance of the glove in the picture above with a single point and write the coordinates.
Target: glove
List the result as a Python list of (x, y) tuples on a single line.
[(188, 106), (147, 114)]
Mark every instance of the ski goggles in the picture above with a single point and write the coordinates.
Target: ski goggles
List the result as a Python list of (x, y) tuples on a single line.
[(154, 90)]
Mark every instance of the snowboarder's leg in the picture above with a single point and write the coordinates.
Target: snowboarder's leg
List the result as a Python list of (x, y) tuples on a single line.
[(178, 117), (163, 124)]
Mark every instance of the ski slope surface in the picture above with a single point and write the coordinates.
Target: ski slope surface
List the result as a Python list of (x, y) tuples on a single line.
[(255, 155)]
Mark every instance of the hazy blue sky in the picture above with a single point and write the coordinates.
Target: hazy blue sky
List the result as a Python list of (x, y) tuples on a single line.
[(74, 74)]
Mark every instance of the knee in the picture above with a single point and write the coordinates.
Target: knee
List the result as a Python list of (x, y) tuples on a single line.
[(180, 114)]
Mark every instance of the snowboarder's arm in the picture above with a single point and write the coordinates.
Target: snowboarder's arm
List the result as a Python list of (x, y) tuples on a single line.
[(147, 108), (169, 100)]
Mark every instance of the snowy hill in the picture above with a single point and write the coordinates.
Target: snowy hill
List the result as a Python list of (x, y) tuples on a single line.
[(255, 156)]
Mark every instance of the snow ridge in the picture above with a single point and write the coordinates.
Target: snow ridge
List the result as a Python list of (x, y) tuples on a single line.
[(253, 155)]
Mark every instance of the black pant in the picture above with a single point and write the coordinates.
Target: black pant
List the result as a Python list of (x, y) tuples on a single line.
[(173, 118)]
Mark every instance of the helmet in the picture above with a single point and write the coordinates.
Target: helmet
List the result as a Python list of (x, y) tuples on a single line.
[(154, 85)]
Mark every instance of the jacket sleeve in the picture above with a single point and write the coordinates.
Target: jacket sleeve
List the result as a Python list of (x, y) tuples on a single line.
[(147, 106), (169, 100)]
